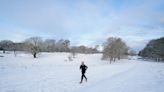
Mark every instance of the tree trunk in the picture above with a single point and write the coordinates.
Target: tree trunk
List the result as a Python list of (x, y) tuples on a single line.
[(111, 58), (119, 57), (3, 51), (114, 59), (15, 54), (34, 55)]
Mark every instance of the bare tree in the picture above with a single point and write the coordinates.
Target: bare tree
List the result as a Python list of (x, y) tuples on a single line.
[(50, 45), (132, 53), (95, 49), (66, 45), (82, 49), (6, 45), (121, 48), (63, 45), (73, 51), (33, 45), (114, 49), (59, 45)]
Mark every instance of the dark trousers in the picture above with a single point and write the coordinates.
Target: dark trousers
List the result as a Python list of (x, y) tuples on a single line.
[(83, 76)]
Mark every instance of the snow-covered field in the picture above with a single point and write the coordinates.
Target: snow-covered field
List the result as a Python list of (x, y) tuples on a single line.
[(52, 72)]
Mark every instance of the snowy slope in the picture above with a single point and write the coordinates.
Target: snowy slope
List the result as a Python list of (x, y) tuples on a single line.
[(52, 72), (144, 77)]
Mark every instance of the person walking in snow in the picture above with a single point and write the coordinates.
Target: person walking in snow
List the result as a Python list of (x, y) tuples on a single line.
[(83, 68)]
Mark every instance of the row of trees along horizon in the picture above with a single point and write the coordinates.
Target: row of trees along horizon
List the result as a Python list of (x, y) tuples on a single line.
[(34, 45), (113, 49)]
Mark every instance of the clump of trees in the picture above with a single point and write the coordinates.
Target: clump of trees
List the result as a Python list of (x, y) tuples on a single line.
[(132, 53), (114, 48), (154, 50), (49, 45), (84, 49), (6, 45), (35, 45)]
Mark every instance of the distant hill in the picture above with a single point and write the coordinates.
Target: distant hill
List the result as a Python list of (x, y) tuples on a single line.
[(154, 49)]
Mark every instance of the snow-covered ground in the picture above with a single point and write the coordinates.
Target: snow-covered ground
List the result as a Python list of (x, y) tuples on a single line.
[(52, 72)]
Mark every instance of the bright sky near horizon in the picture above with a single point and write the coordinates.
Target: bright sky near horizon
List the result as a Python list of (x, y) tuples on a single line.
[(83, 22)]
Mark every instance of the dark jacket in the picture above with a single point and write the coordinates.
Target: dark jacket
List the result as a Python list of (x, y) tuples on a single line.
[(83, 68)]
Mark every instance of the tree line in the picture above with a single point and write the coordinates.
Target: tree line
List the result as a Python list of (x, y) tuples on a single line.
[(113, 49), (34, 45)]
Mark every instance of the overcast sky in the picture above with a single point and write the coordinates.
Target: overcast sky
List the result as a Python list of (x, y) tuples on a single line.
[(87, 22)]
